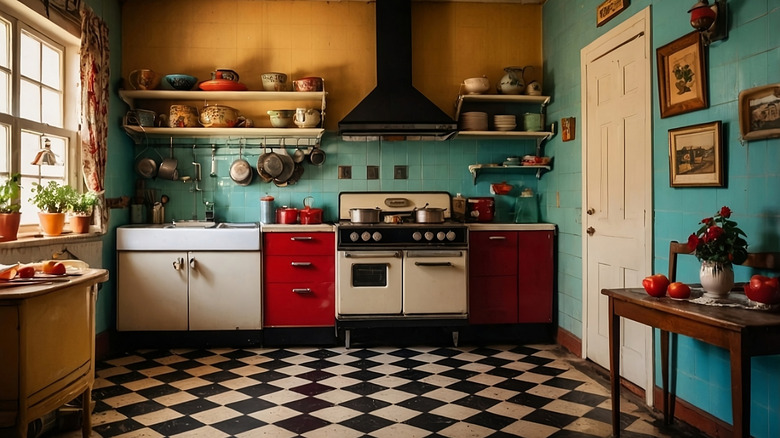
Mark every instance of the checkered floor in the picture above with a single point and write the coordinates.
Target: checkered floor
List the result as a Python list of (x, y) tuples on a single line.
[(495, 391)]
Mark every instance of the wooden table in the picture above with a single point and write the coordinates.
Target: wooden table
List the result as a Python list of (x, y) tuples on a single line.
[(744, 333), (47, 346)]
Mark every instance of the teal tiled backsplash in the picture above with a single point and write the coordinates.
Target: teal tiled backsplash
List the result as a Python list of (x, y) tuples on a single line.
[(431, 166)]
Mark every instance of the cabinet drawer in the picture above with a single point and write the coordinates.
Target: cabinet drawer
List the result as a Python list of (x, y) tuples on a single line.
[(493, 253), (302, 268), (299, 304), (299, 243)]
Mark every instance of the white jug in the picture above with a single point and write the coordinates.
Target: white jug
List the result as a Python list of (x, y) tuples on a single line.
[(306, 117)]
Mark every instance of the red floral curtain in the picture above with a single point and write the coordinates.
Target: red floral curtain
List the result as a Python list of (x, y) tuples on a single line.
[(94, 106)]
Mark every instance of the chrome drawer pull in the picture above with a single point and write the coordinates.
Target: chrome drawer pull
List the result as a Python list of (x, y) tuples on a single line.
[(300, 264), (497, 237), (301, 238), (304, 290), (432, 263)]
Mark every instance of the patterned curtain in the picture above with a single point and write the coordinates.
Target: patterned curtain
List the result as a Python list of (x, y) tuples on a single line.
[(94, 106)]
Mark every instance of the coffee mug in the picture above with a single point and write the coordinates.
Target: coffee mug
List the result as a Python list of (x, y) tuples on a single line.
[(144, 79)]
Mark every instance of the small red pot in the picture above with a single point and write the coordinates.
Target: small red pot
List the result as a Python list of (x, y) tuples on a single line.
[(286, 215), (311, 216)]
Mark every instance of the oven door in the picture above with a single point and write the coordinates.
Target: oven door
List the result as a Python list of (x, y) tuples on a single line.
[(369, 283), (435, 282)]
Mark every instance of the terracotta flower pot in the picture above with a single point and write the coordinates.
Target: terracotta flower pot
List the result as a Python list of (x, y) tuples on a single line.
[(51, 223), (80, 223), (9, 226)]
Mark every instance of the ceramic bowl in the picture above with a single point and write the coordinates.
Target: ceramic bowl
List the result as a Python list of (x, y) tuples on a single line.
[(180, 81), (311, 83), (274, 81), (281, 118), (218, 116), (476, 85), (183, 116)]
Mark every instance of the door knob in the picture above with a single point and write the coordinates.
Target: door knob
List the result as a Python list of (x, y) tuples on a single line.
[(590, 231), (591, 211)]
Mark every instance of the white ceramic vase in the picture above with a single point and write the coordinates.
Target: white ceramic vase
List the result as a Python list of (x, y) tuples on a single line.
[(716, 279)]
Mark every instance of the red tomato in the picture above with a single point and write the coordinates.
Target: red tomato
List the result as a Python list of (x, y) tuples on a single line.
[(679, 290), (26, 271), (763, 289), (656, 285)]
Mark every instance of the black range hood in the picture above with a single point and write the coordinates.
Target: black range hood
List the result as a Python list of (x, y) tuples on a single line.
[(395, 110)]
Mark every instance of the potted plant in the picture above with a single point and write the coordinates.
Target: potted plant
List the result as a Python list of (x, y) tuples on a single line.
[(81, 207), (718, 243), (53, 200), (10, 204)]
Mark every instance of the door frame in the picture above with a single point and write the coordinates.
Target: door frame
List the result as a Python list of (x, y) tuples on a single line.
[(621, 34)]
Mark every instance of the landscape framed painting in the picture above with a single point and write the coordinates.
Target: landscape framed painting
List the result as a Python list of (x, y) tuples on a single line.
[(682, 78), (608, 10), (759, 112), (696, 155)]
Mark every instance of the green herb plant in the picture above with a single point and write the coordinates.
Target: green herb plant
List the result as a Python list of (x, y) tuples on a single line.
[(10, 194), (53, 197), (83, 203)]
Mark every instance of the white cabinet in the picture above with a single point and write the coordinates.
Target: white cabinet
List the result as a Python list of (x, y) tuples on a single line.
[(189, 290), (259, 101)]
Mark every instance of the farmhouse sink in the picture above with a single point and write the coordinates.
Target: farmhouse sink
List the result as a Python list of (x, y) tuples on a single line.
[(167, 237)]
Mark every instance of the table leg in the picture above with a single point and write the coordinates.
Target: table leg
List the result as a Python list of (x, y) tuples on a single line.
[(665, 375), (614, 366), (86, 413), (740, 390)]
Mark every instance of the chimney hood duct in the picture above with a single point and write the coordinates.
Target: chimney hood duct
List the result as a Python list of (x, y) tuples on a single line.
[(395, 110)]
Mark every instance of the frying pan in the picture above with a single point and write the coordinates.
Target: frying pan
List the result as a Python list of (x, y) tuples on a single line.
[(241, 170), (297, 173), (261, 166), (146, 167), (289, 167)]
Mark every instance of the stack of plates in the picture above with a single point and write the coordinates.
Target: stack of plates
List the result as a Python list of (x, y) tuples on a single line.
[(474, 121), (504, 122)]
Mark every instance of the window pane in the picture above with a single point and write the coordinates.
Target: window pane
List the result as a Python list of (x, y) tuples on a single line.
[(5, 44), (32, 143), (5, 148), (30, 101), (5, 92), (31, 57), (51, 109), (50, 74)]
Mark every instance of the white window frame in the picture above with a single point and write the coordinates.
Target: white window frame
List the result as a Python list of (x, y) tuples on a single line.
[(22, 18)]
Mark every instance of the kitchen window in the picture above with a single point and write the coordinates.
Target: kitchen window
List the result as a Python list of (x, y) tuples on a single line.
[(39, 96)]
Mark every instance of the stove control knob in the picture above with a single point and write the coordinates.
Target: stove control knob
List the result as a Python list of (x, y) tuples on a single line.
[(428, 235), (440, 235), (416, 235), (354, 236), (366, 236), (451, 235), (377, 236)]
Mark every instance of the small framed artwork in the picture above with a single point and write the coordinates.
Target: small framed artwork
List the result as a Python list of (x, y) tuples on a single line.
[(608, 10), (696, 155), (759, 112), (682, 78), (567, 128)]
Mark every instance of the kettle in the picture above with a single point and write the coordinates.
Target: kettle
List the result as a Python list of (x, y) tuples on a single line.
[(526, 208)]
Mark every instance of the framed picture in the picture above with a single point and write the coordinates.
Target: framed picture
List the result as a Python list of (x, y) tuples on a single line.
[(608, 10), (759, 112), (682, 78), (696, 155), (567, 128)]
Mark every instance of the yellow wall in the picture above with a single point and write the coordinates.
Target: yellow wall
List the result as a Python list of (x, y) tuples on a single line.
[(335, 40)]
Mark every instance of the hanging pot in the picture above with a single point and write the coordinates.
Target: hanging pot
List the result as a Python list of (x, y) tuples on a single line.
[(364, 215)]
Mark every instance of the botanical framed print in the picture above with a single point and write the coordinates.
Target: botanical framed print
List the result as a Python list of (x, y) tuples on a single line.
[(608, 10), (759, 112), (696, 155), (682, 78)]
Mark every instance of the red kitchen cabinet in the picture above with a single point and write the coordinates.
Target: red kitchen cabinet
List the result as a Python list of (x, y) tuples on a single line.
[(510, 277), (299, 281)]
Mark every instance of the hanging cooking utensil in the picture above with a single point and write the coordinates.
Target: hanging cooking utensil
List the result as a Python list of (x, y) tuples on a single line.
[(261, 170), (168, 167), (297, 173), (213, 172), (289, 166), (241, 170), (299, 155)]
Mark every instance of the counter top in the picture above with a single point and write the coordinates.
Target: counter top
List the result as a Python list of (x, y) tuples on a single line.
[(296, 228), (498, 226), (20, 292)]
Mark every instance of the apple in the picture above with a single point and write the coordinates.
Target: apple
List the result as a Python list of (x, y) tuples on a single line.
[(26, 271), (53, 267), (679, 290), (656, 285)]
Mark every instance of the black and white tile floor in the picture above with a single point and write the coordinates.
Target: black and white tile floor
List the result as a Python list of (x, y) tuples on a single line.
[(397, 392)]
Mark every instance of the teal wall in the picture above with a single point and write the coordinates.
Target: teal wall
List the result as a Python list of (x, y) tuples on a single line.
[(749, 58)]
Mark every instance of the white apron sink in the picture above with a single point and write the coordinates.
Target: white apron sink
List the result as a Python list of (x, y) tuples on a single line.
[(167, 237)]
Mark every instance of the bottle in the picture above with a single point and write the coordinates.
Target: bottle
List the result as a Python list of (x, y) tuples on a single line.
[(526, 209)]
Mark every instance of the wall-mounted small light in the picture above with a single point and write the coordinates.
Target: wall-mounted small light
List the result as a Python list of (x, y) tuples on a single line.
[(45, 156), (711, 21)]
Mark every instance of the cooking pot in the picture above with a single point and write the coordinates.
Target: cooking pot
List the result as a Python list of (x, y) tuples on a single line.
[(364, 215), (286, 215), (481, 209), (429, 215), (309, 215)]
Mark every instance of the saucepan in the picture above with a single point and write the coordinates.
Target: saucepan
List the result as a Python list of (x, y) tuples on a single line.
[(364, 215), (429, 215), (168, 168)]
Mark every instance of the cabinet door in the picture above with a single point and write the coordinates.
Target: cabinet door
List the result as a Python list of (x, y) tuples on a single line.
[(299, 243), (535, 278), (151, 291), (225, 290), (493, 253), (495, 299)]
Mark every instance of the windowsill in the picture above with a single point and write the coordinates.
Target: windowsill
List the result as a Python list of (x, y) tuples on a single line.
[(33, 239)]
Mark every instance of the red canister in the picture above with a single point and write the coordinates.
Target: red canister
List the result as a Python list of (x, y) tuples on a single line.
[(481, 209), (286, 215)]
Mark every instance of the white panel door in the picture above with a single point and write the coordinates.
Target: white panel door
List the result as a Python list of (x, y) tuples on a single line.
[(618, 188)]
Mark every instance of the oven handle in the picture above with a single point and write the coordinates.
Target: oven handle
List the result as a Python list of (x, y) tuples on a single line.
[(371, 254), (434, 253), (446, 264)]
